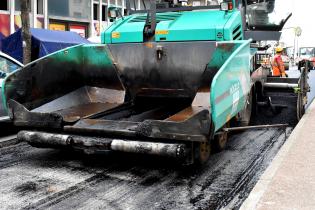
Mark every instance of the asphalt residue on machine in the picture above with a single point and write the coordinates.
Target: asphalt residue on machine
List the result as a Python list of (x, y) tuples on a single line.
[(46, 178)]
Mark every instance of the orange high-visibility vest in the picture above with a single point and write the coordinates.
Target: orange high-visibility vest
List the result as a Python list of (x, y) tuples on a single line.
[(276, 69)]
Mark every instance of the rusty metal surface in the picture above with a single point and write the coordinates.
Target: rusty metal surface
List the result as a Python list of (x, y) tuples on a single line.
[(148, 118), (185, 114), (148, 129), (81, 103), (110, 127), (202, 97), (200, 102), (85, 110), (105, 95), (194, 128), (83, 95)]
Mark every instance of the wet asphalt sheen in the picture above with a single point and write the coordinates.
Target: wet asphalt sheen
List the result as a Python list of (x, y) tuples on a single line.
[(47, 178)]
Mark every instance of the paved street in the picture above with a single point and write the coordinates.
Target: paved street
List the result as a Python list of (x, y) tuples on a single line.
[(41, 178)]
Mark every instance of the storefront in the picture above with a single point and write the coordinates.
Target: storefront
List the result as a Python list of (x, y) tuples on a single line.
[(75, 26), (100, 14), (86, 17), (10, 16), (70, 15)]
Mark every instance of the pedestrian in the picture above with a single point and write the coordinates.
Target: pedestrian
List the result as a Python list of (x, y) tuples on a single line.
[(278, 69)]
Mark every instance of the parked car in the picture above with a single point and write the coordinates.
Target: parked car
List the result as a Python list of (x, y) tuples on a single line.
[(7, 65)]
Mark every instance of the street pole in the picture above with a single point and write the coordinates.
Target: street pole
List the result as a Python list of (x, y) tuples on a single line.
[(298, 33), (297, 45), (294, 47), (26, 34)]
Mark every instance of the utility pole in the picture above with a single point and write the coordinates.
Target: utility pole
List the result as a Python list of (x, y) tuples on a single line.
[(298, 33), (26, 34)]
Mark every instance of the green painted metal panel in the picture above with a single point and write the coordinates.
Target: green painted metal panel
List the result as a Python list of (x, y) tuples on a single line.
[(231, 84), (80, 54), (193, 25), (122, 31), (129, 33), (233, 28), (3, 96), (106, 36), (199, 25)]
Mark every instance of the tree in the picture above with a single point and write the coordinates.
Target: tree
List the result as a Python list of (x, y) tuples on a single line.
[(26, 34)]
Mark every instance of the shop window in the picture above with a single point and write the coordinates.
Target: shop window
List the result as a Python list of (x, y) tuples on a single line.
[(77, 14), (95, 12), (4, 5), (40, 7), (80, 10), (120, 11), (143, 5), (104, 13), (18, 5)]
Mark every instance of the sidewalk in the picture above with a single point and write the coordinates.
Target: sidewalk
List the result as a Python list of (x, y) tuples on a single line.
[(289, 181)]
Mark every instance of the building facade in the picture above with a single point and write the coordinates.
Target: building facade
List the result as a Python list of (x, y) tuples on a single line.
[(86, 17)]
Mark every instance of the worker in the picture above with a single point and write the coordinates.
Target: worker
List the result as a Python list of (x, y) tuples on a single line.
[(278, 69)]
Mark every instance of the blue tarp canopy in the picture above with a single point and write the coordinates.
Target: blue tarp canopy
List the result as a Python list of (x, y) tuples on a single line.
[(1, 37), (43, 42)]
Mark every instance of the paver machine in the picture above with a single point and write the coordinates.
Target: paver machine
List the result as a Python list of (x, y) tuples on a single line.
[(166, 80)]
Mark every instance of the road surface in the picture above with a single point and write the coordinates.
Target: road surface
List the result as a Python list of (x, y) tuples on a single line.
[(41, 178)]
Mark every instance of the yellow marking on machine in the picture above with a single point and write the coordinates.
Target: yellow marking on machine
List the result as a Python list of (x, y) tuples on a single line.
[(115, 35), (148, 44), (161, 32)]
